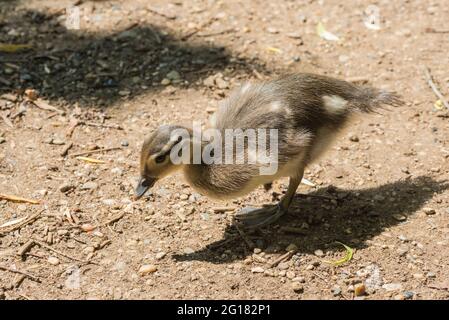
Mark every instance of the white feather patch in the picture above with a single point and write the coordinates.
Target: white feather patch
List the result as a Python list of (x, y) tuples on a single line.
[(334, 104), (275, 106)]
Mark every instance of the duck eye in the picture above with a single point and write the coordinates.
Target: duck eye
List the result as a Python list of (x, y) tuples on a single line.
[(160, 159)]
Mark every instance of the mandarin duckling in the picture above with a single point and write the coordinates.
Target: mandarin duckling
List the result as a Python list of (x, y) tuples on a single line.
[(306, 112)]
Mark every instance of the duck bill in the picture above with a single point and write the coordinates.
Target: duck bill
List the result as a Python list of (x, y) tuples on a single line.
[(143, 185)]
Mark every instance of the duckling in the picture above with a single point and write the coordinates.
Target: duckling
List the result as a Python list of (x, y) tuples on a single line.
[(307, 111)]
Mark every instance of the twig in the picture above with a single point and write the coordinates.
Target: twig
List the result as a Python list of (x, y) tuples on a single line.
[(305, 195), (25, 248), (5, 81), (156, 36), (321, 277), (103, 244), (432, 30), (41, 104), (112, 220), (445, 288), (32, 277), (223, 242), (248, 241), (284, 257), (66, 149), (162, 14), (198, 29), (7, 121), (212, 34), (19, 281), (101, 125), (75, 122), (23, 223), (72, 125), (293, 230), (433, 86), (95, 151), (17, 199), (58, 252)]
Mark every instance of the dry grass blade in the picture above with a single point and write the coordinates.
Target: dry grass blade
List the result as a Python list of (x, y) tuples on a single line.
[(18, 199), (91, 160), (95, 151), (43, 245), (21, 224), (434, 87)]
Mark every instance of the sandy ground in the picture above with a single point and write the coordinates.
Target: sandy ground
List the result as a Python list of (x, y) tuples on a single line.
[(381, 188)]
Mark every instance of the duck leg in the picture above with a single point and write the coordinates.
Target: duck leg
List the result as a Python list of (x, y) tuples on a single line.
[(256, 218)]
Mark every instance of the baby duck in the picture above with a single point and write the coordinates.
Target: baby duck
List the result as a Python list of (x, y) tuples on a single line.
[(307, 111)]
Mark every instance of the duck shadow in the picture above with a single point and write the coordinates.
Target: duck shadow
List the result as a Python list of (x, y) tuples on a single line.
[(327, 215)]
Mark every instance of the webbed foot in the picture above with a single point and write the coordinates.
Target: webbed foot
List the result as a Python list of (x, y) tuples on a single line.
[(253, 218)]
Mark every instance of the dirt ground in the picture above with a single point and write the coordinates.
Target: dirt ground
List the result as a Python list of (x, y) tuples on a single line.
[(132, 66)]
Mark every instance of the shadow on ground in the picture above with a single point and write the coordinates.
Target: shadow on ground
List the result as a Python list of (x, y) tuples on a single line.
[(98, 69), (358, 215)]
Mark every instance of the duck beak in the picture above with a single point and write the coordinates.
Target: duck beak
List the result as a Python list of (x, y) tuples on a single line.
[(143, 185)]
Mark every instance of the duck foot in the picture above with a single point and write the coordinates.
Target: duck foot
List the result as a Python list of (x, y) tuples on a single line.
[(253, 218)]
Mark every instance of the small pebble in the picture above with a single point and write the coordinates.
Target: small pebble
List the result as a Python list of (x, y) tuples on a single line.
[(399, 217), (336, 290), (53, 261), (257, 270), (89, 186), (165, 82), (160, 255), (354, 138), (319, 253), (147, 268), (283, 266), (292, 247), (392, 286), (429, 211), (66, 187), (188, 250), (183, 197), (408, 294), (359, 290), (299, 279), (297, 287), (173, 75)]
